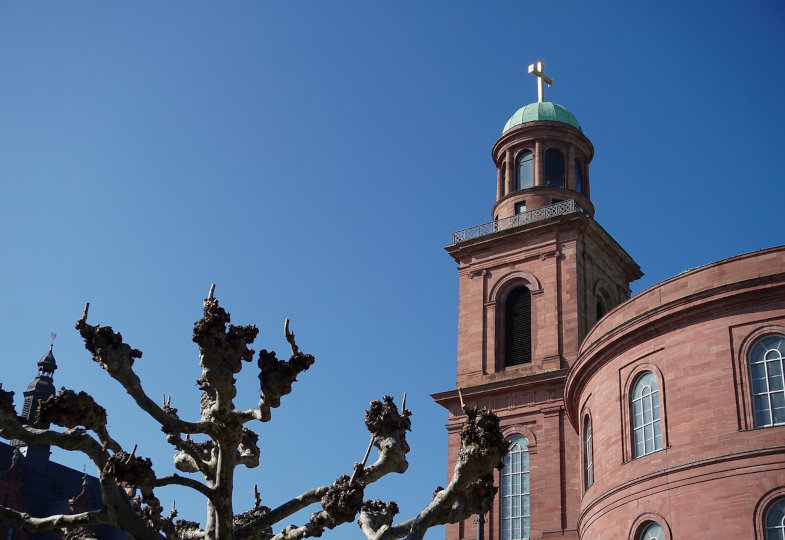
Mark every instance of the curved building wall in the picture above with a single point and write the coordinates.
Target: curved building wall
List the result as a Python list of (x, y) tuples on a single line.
[(714, 471)]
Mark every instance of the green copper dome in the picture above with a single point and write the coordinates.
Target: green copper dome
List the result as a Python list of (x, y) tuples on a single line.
[(543, 110)]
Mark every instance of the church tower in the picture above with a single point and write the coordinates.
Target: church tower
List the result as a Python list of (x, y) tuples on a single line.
[(532, 282), (38, 390)]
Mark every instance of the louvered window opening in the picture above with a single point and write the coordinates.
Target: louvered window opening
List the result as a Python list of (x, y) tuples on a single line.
[(518, 330)]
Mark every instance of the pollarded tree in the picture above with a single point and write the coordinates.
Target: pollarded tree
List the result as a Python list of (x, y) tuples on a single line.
[(227, 444)]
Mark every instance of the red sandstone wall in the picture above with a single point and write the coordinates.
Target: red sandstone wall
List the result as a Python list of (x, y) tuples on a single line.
[(537, 412), (715, 468), (555, 260)]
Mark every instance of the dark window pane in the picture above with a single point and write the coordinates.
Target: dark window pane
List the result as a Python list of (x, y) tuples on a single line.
[(578, 177), (525, 171), (554, 168)]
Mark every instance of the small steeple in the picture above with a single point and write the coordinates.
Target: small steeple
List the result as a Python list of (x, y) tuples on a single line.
[(47, 364), (41, 387), (36, 457)]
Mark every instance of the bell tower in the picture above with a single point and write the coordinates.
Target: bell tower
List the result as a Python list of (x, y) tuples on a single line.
[(42, 386), (532, 282)]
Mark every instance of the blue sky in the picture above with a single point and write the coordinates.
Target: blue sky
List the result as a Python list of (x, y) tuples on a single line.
[(312, 159)]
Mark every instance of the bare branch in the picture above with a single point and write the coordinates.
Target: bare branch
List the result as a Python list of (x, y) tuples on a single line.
[(176, 479), (360, 466), (282, 512), (71, 439), (70, 410), (277, 376), (193, 456), (388, 428), (116, 357), (470, 490), (340, 505), (248, 452), (58, 521)]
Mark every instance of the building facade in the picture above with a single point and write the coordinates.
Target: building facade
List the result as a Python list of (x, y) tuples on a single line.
[(577, 371)]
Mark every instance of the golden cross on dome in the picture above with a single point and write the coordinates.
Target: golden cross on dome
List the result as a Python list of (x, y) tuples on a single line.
[(539, 71)]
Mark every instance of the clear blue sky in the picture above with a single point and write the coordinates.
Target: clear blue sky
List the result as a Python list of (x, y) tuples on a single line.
[(312, 159)]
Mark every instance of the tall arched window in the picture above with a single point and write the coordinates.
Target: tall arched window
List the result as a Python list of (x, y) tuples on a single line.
[(554, 168), (516, 510), (599, 310), (646, 431), (775, 521), (525, 170), (578, 177), (504, 179), (588, 453), (653, 531), (768, 385), (517, 327)]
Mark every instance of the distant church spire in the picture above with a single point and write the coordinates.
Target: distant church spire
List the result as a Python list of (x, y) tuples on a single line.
[(36, 457), (41, 388), (539, 72)]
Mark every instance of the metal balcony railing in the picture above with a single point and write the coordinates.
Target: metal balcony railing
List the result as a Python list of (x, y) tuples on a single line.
[(524, 218)]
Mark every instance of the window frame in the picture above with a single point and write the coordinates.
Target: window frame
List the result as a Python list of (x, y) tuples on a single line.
[(744, 337), (781, 526), (508, 329), (495, 316), (767, 394), (646, 520), (514, 439), (587, 449), (653, 398), (762, 508), (629, 374), (518, 184), (646, 530)]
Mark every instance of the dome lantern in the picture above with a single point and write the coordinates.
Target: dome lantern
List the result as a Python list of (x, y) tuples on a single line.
[(542, 158)]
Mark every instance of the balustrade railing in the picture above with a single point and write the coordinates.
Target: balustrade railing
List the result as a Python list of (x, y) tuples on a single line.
[(557, 209)]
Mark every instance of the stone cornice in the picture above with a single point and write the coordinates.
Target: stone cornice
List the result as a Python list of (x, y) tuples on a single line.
[(543, 130), (476, 392)]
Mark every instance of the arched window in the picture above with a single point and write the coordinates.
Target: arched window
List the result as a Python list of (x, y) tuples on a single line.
[(646, 434), (578, 177), (599, 310), (588, 453), (775, 521), (517, 327), (504, 179), (554, 168), (766, 375), (653, 531), (516, 510), (525, 170)]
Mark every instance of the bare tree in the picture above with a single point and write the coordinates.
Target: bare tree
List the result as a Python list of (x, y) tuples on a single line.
[(227, 443)]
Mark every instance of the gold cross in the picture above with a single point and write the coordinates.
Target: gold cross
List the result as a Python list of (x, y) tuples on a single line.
[(541, 78)]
